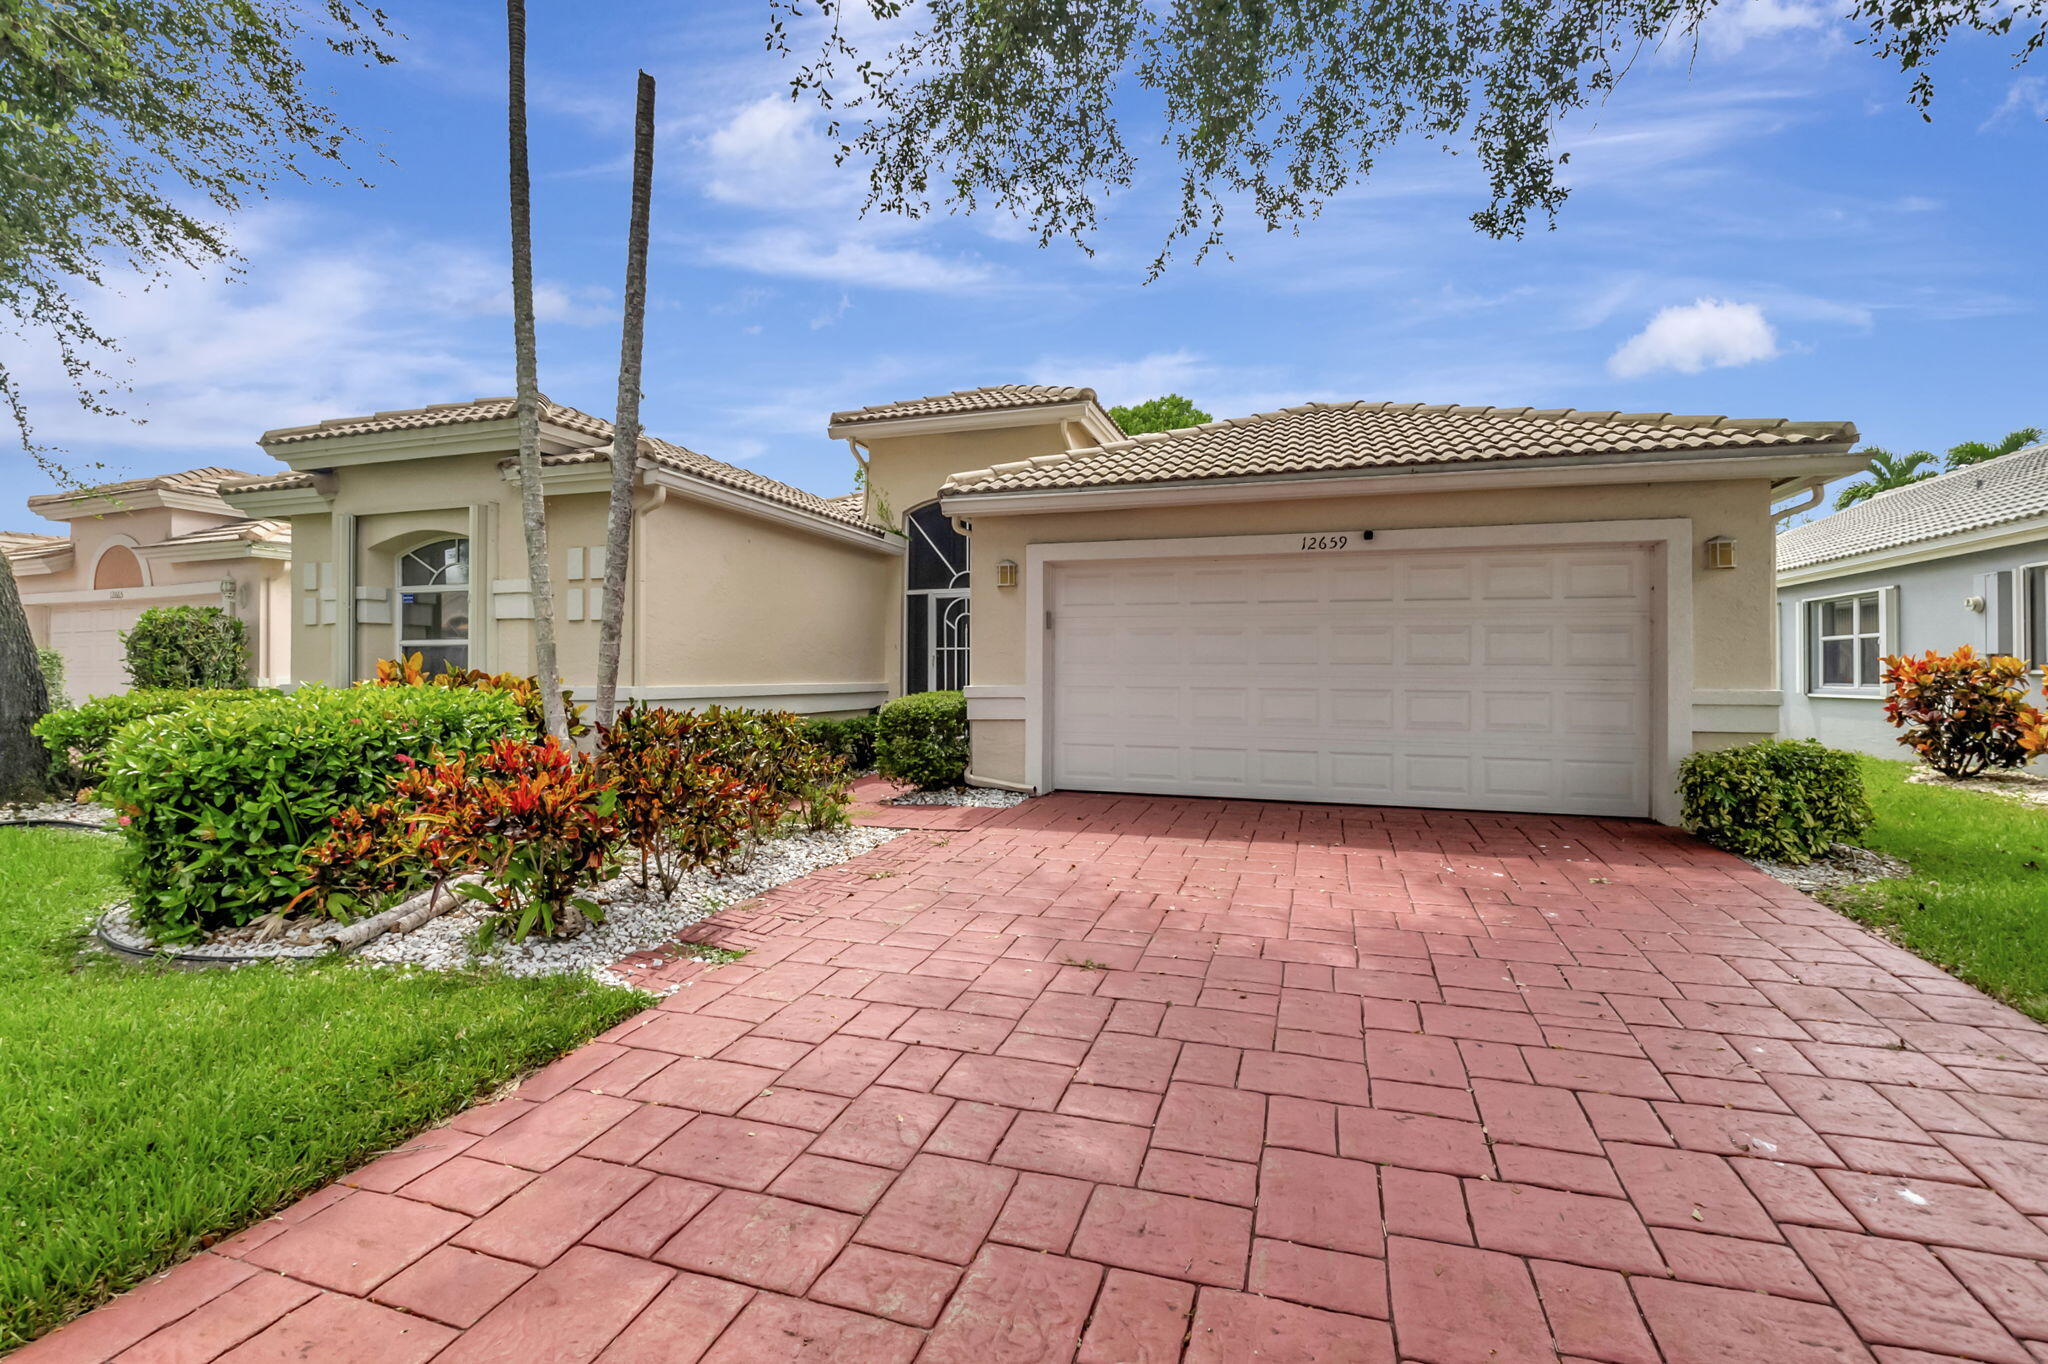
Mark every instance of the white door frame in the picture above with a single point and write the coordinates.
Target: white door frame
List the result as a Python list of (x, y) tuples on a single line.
[(1669, 542)]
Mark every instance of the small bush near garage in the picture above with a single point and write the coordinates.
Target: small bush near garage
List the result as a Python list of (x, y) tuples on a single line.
[(922, 739), (852, 738), (187, 646), (78, 737), (1781, 800), (218, 802), (1963, 712), (52, 664)]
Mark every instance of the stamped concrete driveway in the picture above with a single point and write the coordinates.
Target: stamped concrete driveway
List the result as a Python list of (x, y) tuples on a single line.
[(1125, 1079)]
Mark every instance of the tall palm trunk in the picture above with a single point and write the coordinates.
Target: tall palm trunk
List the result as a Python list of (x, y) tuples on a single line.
[(532, 504), (618, 538), (23, 697)]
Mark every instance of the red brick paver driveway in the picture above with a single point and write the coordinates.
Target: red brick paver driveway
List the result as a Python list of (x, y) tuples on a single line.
[(1147, 1080)]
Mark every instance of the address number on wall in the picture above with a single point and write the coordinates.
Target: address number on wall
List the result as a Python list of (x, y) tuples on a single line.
[(1334, 539)]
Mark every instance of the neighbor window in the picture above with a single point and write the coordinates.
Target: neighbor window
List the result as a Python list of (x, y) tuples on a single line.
[(1846, 634), (2033, 613), (433, 604)]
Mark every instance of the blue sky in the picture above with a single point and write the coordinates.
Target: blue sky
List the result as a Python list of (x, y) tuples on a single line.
[(1762, 228)]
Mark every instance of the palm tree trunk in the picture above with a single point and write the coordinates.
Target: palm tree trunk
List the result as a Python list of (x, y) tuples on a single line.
[(23, 698), (618, 539), (532, 504)]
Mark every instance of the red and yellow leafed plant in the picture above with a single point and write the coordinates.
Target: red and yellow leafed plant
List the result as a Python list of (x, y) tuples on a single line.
[(1963, 712), (410, 671)]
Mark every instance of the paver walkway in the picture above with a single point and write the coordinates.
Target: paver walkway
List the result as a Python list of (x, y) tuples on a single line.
[(1124, 1079)]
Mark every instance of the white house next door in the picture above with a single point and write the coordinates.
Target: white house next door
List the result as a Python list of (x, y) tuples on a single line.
[(1512, 679)]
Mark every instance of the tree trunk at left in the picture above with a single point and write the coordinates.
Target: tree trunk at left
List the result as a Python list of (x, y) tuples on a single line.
[(532, 502), (23, 699)]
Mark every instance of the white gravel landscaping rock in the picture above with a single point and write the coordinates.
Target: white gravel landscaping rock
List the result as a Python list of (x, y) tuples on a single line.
[(1843, 864), (301, 939), (82, 813), (962, 795), (635, 921)]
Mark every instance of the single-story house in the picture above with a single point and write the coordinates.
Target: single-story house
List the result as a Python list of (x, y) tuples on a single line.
[(1394, 603), (164, 541), (1961, 558)]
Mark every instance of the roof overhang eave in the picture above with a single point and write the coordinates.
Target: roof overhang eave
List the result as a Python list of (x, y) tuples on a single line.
[(2019, 531), (1089, 414), (1778, 466)]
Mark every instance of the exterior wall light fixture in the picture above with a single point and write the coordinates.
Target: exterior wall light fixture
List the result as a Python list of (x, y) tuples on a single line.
[(1006, 573), (1721, 552)]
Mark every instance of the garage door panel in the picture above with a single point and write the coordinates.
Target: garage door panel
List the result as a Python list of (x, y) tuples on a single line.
[(1511, 680)]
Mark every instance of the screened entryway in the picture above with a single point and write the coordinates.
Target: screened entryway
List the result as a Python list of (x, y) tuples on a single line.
[(935, 626)]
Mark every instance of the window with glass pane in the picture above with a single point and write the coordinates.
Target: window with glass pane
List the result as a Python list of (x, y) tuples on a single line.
[(2034, 613), (1846, 634), (433, 604)]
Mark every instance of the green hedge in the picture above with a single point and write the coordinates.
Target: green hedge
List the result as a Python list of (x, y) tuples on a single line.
[(922, 739), (1783, 800), (187, 646), (77, 738), (219, 800), (852, 739)]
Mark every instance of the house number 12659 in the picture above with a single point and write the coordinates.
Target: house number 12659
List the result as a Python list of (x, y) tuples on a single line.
[(1342, 539)]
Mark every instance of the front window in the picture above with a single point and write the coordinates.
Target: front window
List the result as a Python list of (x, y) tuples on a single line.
[(433, 604), (935, 635), (2033, 592), (1846, 634)]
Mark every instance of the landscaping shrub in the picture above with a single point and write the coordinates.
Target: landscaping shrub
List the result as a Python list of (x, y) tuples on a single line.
[(852, 738), (770, 749), (77, 738), (680, 808), (52, 664), (371, 856), (535, 819), (922, 739), (411, 672), (1782, 800), (1962, 712), (187, 646), (220, 801)]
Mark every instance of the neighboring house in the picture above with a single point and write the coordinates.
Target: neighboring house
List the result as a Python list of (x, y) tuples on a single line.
[(1958, 559), (165, 541), (1464, 607)]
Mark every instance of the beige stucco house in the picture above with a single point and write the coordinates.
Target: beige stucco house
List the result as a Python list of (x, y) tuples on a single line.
[(1462, 607), (164, 541)]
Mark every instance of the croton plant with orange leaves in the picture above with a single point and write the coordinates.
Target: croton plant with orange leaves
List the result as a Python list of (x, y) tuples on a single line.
[(1964, 712)]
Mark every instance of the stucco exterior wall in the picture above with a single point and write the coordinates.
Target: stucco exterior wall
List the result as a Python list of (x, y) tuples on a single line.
[(1930, 615), (1732, 636), (905, 472)]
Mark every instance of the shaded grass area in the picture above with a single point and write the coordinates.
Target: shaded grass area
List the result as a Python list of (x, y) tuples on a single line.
[(1977, 901), (145, 1112)]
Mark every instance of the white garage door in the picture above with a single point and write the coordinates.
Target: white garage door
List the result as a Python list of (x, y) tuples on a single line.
[(1494, 680), (89, 637)]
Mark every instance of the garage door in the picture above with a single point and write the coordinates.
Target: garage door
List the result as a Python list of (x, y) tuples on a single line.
[(1509, 680), (89, 637)]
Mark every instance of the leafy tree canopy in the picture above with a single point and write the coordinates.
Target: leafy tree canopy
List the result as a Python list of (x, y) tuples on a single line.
[(124, 123), (1277, 105), (1169, 413)]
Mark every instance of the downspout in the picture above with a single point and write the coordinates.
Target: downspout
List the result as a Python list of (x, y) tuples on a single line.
[(653, 496), (1812, 499)]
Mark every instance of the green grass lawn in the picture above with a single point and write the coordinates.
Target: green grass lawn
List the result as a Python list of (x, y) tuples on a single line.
[(1977, 901), (145, 1112)]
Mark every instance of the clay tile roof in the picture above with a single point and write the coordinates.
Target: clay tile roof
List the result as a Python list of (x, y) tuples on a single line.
[(27, 544), (1329, 438), (254, 531), (677, 457), (199, 482), (437, 414), (269, 483), (2010, 488), (994, 398)]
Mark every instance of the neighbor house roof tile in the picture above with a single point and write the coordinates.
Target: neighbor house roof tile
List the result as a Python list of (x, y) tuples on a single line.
[(1975, 497), (198, 482), (993, 398), (269, 483), (684, 460), (437, 414), (1324, 438), (254, 530)]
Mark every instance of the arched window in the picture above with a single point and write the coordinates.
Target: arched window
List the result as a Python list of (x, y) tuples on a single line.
[(117, 567), (433, 604), (935, 614)]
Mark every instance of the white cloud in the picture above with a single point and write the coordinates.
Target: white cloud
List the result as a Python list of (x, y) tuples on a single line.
[(803, 254), (1708, 333), (1730, 27), (772, 154), (2026, 97), (1120, 382)]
